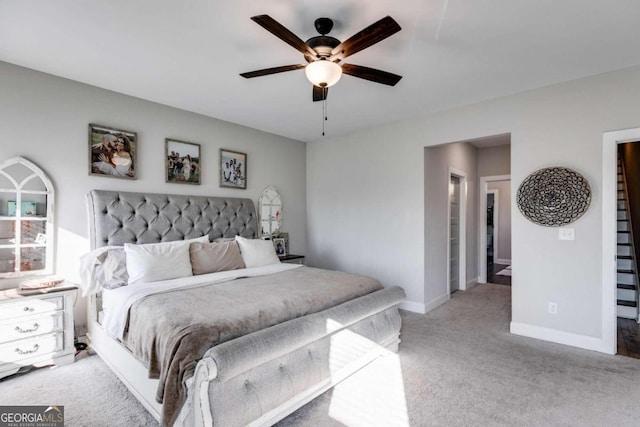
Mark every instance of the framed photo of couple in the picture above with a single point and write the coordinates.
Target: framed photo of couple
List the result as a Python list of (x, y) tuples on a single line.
[(112, 152), (233, 169)]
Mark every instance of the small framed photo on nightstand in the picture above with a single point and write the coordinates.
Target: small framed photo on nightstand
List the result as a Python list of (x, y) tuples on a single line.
[(280, 245)]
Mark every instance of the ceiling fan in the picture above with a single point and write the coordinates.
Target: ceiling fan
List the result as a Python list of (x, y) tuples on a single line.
[(324, 53)]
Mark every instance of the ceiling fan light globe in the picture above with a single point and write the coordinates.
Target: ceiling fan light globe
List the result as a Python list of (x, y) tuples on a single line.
[(323, 73)]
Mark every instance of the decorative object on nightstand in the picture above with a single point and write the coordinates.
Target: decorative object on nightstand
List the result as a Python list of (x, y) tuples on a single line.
[(270, 212), (40, 283), (36, 328), (280, 246), (292, 259), (26, 219)]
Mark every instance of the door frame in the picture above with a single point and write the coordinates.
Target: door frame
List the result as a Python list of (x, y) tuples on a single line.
[(462, 229), (482, 238), (610, 141)]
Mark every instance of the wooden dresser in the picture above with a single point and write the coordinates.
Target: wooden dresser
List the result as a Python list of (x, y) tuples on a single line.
[(36, 328)]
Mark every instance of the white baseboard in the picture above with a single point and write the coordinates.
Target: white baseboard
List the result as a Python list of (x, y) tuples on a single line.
[(560, 337), (437, 302), (502, 261), (472, 283), (415, 307)]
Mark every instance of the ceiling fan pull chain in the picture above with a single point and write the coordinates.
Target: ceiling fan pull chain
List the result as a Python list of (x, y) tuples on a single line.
[(326, 103), (325, 108), (324, 117)]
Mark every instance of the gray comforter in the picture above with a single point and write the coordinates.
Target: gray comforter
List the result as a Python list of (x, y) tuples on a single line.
[(169, 332)]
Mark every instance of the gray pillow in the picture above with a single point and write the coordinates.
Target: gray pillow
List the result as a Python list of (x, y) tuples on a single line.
[(214, 257)]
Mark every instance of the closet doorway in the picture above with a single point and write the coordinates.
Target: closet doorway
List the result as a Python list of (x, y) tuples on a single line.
[(454, 234), (457, 242)]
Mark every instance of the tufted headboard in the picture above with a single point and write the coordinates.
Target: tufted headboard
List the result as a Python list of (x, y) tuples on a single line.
[(117, 217)]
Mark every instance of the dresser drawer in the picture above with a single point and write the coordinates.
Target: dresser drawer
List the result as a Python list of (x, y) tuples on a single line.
[(32, 347), (28, 306), (25, 327)]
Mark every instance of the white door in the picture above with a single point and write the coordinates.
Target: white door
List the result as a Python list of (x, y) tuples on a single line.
[(454, 234)]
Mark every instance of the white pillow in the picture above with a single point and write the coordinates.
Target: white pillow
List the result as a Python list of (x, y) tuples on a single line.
[(257, 252), (159, 261), (114, 269), (92, 269)]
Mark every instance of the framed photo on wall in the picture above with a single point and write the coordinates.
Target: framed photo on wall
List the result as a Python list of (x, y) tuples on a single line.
[(182, 161), (112, 152), (233, 169)]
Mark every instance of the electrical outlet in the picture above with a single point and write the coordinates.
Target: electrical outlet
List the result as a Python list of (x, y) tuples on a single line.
[(553, 308)]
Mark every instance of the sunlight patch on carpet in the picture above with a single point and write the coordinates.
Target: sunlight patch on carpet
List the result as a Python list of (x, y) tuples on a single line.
[(374, 395)]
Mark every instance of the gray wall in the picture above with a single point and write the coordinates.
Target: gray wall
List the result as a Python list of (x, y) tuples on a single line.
[(45, 119), (504, 219), (380, 225), (437, 161), (493, 161)]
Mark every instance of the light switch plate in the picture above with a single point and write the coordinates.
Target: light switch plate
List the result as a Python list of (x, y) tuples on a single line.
[(567, 233)]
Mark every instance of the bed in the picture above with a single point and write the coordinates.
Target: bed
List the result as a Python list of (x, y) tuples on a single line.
[(255, 344)]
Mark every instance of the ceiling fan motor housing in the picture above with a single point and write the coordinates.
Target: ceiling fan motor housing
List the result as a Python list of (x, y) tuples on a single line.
[(323, 45)]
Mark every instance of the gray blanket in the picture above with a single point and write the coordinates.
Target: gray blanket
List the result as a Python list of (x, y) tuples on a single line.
[(170, 332)]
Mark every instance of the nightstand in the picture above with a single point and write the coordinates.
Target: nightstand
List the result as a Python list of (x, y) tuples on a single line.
[(292, 259), (36, 328)]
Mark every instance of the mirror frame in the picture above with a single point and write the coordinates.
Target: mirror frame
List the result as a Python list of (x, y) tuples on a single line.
[(275, 223), (49, 194)]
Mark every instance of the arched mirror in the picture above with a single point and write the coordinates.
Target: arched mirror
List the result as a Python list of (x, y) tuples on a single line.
[(26, 219), (270, 209)]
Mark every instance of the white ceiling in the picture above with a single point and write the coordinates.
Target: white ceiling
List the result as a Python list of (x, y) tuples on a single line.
[(188, 53)]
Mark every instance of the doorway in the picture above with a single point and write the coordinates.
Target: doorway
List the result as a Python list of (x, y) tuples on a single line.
[(492, 222), (628, 243), (454, 234), (457, 231), (494, 261), (610, 141)]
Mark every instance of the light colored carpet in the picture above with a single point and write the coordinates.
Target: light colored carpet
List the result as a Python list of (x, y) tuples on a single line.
[(504, 272), (458, 366)]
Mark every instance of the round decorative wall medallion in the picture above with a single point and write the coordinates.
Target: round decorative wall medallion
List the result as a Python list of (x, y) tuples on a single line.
[(554, 196)]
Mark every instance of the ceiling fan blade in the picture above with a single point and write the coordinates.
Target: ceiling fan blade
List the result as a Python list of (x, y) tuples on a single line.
[(320, 93), (278, 30), (371, 74), (371, 35), (273, 70)]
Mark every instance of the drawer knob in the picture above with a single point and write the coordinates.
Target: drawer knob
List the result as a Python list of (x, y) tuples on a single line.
[(27, 308), (26, 331), (35, 348)]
